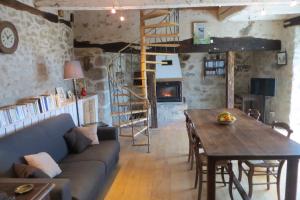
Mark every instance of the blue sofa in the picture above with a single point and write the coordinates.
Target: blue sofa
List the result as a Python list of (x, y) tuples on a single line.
[(83, 175)]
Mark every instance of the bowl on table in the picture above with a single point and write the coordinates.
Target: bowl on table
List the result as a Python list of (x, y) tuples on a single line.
[(226, 118)]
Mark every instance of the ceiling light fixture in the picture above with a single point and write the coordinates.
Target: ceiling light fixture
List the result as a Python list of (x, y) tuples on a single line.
[(293, 3), (113, 11), (122, 18)]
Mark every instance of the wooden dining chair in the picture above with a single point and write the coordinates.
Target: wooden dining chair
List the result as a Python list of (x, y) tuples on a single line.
[(254, 113), (223, 167), (191, 148), (267, 165)]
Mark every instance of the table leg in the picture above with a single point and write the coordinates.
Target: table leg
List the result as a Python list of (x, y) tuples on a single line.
[(291, 179), (211, 179)]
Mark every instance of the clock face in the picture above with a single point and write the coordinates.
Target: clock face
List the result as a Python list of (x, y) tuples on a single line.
[(7, 38)]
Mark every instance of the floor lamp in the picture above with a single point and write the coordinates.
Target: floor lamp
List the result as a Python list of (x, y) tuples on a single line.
[(73, 71)]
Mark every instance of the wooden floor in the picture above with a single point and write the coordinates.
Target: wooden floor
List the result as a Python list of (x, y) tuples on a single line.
[(164, 173)]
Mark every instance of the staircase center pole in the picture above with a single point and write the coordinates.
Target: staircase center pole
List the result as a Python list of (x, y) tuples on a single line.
[(143, 55)]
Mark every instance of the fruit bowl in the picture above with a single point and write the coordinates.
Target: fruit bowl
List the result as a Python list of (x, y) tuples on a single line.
[(226, 118)]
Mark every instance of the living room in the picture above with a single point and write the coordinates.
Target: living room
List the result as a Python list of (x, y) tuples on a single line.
[(117, 96)]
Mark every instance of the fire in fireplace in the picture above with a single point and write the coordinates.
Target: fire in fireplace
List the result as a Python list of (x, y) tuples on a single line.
[(169, 91)]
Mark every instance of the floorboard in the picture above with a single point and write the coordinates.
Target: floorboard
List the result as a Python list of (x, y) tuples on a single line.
[(164, 174)]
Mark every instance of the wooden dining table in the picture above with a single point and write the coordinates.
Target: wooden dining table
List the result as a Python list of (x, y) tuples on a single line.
[(246, 139)]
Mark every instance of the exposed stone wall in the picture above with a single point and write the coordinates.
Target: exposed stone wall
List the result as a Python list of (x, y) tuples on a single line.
[(263, 64), (200, 91), (102, 27), (95, 66), (37, 65)]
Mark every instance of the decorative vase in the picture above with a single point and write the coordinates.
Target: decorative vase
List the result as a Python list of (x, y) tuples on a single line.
[(83, 92)]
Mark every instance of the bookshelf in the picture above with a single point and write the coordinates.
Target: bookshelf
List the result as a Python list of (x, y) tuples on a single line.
[(214, 67), (88, 113)]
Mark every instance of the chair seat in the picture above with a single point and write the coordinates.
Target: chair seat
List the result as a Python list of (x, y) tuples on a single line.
[(263, 163)]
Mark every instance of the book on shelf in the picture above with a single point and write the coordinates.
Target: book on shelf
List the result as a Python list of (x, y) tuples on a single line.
[(27, 108)]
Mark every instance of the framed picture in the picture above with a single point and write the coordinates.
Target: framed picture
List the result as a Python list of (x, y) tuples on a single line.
[(71, 96), (61, 93), (282, 58), (200, 34)]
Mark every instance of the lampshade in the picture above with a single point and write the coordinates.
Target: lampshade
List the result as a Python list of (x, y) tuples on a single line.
[(73, 70)]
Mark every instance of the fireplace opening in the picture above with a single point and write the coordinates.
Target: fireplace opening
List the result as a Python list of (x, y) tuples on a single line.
[(168, 91)]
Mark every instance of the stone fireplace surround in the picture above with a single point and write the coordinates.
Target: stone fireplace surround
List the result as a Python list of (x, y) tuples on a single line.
[(170, 104)]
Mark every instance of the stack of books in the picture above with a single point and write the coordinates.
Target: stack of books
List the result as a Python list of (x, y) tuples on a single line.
[(27, 108)]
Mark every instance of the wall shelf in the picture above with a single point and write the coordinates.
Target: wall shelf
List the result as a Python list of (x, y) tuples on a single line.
[(214, 67), (88, 113)]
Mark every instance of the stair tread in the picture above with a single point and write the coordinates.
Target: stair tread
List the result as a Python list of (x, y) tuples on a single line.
[(127, 95), (155, 14), (161, 45), (131, 122), (129, 103), (128, 112), (161, 35), (155, 62), (160, 25), (158, 53)]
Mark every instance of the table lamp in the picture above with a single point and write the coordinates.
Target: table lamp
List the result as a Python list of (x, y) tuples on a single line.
[(73, 70)]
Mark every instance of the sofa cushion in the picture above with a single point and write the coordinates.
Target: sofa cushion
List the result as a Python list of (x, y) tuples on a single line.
[(106, 152), (46, 136), (90, 131), (27, 171), (86, 177), (77, 141), (44, 162)]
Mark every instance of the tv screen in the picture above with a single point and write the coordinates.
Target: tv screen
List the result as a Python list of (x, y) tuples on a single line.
[(263, 86)]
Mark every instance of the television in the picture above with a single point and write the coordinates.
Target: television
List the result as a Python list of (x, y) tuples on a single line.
[(263, 86)]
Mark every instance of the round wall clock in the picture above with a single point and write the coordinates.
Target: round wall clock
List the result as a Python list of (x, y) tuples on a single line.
[(8, 37)]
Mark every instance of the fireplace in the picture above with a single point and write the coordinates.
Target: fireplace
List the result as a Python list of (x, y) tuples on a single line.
[(169, 91)]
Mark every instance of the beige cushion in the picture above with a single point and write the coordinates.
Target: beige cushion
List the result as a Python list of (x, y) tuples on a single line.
[(90, 132), (44, 162)]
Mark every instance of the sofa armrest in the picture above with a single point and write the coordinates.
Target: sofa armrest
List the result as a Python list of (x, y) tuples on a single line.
[(107, 133), (61, 191)]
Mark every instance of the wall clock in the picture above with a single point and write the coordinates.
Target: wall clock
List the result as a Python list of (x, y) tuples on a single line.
[(9, 38)]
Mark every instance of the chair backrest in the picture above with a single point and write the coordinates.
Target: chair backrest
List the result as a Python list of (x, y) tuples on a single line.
[(188, 124), (254, 113), (282, 126)]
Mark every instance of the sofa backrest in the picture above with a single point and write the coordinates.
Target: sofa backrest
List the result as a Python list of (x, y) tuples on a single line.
[(46, 136)]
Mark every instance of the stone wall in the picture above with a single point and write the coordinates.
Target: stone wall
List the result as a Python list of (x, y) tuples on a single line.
[(102, 27), (95, 66), (200, 91), (263, 64), (37, 65)]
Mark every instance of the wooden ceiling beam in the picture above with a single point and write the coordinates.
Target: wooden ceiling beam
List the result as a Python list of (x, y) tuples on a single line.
[(148, 4), (226, 12)]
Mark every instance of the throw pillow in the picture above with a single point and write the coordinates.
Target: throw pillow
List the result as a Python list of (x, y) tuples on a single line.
[(44, 162), (76, 141), (90, 132), (27, 171)]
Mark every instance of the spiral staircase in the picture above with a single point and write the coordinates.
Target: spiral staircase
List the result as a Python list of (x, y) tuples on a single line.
[(130, 105)]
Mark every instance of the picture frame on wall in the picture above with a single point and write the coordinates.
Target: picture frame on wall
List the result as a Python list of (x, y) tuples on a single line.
[(282, 58), (200, 33), (61, 94)]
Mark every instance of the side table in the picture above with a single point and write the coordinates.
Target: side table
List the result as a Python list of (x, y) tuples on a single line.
[(41, 191)]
